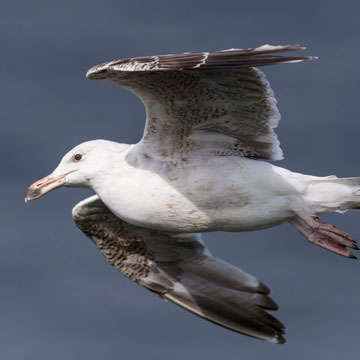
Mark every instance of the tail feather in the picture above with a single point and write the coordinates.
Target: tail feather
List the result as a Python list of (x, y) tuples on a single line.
[(334, 194)]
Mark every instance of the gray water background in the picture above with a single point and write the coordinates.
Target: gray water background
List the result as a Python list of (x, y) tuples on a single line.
[(59, 298)]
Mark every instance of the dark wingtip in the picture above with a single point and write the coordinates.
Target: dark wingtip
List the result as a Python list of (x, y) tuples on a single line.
[(270, 304), (352, 256), (263, 289), (281, 340)]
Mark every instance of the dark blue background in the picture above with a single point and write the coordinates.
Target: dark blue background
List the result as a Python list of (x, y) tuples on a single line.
[(59, 298)]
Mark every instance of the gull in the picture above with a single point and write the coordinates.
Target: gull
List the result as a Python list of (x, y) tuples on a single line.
[(202, 165)]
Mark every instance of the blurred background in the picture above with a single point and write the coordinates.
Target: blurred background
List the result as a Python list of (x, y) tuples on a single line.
[(59, 298)]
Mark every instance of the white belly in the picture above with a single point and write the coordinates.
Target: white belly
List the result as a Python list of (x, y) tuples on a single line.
[(226, 194)]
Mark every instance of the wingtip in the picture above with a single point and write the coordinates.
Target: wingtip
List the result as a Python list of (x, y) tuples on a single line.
[(91, 74), (281, 340), (263, 289), (284, 48), (294, 47), (299, 59), (88, 73), (289, 47), (97, 72), (278, 338)]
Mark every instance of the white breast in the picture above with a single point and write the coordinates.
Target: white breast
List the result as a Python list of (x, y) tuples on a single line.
[(235, 194)]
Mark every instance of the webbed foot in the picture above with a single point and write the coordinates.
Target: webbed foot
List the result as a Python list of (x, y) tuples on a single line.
[(325, 235)]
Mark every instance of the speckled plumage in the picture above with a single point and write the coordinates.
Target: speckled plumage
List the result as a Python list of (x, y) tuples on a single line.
[(199, 168), (118, 241), (216, 105)]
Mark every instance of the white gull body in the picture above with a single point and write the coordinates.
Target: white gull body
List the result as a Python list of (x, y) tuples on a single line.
[(200, 166), (194, 194)]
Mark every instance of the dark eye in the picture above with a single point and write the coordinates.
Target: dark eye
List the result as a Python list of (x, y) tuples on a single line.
[(77, 157)]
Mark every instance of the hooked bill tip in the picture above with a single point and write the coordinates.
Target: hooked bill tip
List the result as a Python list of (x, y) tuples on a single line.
[(31, 194)]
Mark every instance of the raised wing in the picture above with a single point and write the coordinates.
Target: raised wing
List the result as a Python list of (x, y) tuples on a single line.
[(178, 267), (205, 103)]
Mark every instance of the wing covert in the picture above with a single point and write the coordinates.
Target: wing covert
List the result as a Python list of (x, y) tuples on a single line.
[(205, 103)]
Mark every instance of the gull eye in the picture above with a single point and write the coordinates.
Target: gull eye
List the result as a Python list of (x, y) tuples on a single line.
[(77, 157)]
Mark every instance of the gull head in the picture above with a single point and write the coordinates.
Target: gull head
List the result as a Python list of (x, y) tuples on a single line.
[(77, 168)]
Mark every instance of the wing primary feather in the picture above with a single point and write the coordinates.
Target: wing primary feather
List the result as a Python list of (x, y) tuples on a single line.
[(231, 58)]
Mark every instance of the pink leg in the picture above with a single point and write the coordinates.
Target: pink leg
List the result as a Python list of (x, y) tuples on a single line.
[(325, 235)]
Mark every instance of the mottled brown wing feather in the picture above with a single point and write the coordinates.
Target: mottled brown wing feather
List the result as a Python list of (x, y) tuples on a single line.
[(178, 267), (204, 103)]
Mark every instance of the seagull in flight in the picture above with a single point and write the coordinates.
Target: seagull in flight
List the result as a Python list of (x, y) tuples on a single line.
[(202, 165)]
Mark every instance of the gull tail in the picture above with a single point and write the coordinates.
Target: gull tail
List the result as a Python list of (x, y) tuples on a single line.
[(329, 195)]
